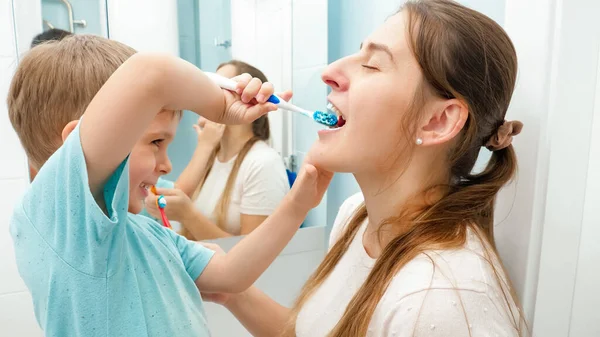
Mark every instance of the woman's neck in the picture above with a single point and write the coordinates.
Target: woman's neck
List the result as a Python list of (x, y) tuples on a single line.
[(387, 195), (233, 140)]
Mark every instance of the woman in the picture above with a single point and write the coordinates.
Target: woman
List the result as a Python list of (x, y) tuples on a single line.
[(414, 254), (235, 179)]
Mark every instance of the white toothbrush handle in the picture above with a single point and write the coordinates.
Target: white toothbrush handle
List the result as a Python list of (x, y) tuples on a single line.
[(229, 84), (290, 107), (223, 82)]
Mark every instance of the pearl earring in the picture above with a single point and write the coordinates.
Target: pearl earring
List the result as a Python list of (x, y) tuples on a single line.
[(419, 141)]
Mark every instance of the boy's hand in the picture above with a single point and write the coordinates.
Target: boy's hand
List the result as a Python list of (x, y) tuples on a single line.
[(179, 205), (209, 133), (309, 187), (248, 103)]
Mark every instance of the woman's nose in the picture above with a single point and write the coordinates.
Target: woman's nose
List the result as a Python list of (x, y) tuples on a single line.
[(335, 77)]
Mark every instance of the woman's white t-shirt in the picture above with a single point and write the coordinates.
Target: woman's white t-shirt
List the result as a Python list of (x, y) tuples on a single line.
[(458, 297), (259, 187)]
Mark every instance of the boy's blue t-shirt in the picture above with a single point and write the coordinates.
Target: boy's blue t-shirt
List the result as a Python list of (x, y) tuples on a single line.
[(93, 275)]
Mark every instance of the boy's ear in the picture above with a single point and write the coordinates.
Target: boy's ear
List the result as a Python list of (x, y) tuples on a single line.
[(68, 129)]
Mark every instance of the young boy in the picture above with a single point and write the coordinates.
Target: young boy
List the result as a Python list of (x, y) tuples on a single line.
[(93, 268)]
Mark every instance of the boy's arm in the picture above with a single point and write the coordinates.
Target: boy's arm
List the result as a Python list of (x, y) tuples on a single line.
[(128, 102), (248, 259), (142, 87), (258, 313)]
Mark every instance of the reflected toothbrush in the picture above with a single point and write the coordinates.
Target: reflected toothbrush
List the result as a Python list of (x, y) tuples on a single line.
[(161, 203), (320, 117)]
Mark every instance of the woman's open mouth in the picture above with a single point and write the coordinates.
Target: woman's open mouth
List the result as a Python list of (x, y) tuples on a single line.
[(341, 119)]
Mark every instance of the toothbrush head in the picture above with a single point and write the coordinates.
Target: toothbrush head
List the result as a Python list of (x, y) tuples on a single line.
[(161, 202), (325, 118)]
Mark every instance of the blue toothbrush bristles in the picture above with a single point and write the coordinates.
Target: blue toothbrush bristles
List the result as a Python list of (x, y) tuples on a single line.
[(162, 202), (325, 118)]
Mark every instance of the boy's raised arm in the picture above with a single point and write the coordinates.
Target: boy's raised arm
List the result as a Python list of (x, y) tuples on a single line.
[(128, 102)]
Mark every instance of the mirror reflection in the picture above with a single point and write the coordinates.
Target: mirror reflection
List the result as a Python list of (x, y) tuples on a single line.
[(234, 179), (231, 177), (223, 181)]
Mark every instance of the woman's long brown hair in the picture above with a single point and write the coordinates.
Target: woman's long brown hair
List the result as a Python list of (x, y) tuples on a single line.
[(260, 131), (463, 54)]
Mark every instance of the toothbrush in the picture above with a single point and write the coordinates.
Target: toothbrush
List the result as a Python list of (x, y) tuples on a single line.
[(320, 117), (161, 203)]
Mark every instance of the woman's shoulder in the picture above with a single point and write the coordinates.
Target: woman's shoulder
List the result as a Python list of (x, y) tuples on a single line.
[(429, 297), (444, 286)]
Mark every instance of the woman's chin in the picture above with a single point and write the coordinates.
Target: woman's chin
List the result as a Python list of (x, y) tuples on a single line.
[(327, 162)]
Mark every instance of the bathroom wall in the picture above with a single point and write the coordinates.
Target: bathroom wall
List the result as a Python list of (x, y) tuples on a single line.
[(16, 311), (55, 12), (260, 35), (309, 58)]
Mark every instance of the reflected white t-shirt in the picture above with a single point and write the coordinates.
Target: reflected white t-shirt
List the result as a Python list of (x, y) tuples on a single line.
[(259, 187), (459, 297)]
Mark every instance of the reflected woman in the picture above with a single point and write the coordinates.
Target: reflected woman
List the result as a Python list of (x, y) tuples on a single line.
[(234, 180)]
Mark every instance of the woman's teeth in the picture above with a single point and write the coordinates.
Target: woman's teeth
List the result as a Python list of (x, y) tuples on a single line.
[(341, 121)]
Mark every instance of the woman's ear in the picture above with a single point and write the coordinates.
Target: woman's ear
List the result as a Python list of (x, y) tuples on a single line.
[(445, 123), (68, 129)]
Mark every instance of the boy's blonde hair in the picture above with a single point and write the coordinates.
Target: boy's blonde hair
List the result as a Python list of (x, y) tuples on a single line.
[(54, 84)]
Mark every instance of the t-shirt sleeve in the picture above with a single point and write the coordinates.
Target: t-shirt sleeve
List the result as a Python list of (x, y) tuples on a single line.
[(194, 255), (447, 312), (345, 213), (265, 183), (62, 211)]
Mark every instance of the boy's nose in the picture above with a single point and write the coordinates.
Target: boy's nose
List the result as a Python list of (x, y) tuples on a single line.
[(164, 166)]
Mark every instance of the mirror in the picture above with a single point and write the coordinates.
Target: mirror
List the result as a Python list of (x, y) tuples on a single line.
[(286, 40), (276, 36), (272, 36)]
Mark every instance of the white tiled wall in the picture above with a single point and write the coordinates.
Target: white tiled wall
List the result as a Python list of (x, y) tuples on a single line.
[(310, 38), (145, 25), (16, 312), (261, 35)]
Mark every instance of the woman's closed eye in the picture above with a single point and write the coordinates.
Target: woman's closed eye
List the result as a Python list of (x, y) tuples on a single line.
[(370, 67)]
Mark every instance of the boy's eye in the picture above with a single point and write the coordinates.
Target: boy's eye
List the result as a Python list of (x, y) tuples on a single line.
[(157, 142)]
